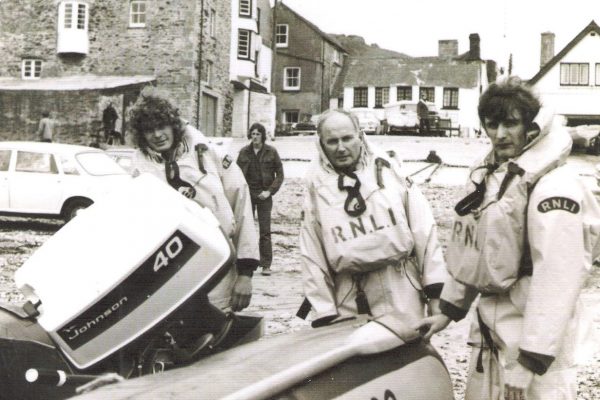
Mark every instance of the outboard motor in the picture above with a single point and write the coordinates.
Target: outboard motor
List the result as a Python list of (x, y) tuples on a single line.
[(121, 288)]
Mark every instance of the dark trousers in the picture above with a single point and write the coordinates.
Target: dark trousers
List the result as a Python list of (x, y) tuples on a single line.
[(262, 208), (424, 125)]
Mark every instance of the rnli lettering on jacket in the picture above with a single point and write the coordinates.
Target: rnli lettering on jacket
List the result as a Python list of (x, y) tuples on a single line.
[(487, 245), (378, 237)]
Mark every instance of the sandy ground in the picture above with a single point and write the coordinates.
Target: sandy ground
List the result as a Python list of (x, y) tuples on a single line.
[(278, 296)]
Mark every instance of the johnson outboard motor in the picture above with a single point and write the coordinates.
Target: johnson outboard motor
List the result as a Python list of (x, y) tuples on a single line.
[(121, 288)]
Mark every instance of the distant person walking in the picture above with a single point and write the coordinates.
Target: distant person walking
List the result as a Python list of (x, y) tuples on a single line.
[(46, 128), (263, 170)]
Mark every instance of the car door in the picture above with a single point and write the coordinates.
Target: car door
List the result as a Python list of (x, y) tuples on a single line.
[(35, 185), (4, 173)]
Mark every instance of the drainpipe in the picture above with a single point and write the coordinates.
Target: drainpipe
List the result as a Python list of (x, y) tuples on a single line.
[(200, 46), (274, 60), (248, 116)]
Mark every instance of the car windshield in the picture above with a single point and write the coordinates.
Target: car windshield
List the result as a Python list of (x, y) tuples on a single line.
[(96, 163)]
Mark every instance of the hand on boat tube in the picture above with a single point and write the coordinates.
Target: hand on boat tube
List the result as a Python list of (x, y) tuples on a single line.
[(430, 325)]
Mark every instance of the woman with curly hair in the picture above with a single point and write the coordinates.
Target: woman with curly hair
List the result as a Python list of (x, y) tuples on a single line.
[(174, 151)]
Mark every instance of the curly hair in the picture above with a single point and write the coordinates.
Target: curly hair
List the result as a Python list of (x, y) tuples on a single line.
[(150, 113), (501, 99)]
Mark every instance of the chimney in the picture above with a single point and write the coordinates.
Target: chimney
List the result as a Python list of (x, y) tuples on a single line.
[(547, 47), (474, 49), (447, 48)]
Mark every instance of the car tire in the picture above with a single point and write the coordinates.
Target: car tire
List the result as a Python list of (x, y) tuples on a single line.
[(73, 206)]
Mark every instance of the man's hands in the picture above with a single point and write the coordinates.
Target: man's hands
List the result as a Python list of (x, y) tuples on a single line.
[(516, 382), (242, 292), (264, 195), (432, 324)]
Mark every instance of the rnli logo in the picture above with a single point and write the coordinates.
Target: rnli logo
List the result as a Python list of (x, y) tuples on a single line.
[(558, 203)]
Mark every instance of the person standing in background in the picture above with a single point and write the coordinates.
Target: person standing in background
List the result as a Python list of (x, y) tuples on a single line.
[(263, 171), (46, 128)]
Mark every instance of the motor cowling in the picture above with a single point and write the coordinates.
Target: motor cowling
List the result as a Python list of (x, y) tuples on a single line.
[(132, 268)]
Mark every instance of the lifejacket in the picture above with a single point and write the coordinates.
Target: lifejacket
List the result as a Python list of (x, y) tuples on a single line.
[(488, 244), (377, 234)]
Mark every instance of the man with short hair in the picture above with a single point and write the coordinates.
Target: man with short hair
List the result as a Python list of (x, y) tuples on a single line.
[(262, 167), (174, 151), (368, 238), (520, 239)]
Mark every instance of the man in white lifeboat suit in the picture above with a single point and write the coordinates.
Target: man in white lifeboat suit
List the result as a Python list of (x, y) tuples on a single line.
[(520, 239), (179, 154), (368, 239)]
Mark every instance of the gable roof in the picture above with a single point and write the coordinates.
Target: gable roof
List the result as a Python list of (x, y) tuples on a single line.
[(315, 28), (592, 27), (428, 72)]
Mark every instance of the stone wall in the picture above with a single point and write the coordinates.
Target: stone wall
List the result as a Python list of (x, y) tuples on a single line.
[(167, 48), (78, 113)]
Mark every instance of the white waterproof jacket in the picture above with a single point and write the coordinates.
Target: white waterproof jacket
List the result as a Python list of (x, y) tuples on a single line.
[(223, 190), (394, 242), (535, 320)]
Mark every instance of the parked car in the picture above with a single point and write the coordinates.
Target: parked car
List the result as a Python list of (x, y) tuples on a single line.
[(368, 122), (304, 128), (402, 116), (123, 156), (586, 137), (54, 180)]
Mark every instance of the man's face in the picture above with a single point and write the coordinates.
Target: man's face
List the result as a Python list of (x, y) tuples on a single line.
[(160, 139), (256, 137), (341, 141), (507, 136)]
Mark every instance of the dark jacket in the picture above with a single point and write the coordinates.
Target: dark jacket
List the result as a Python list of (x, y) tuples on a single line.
[(271, 168)]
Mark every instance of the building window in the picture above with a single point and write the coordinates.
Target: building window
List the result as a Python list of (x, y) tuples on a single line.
[(137, 14), (360, 97), (404, 93), (31, 69), (207, 73), (245, 8), (382, 96), (291, 78), (281, 35), (75, 15), (244, 36), (290, 116), (451, 98), (428, 92), (212, 23), (574, 74), (597, 74)]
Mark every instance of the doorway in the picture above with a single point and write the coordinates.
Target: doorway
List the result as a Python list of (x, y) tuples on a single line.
[(209, 115)]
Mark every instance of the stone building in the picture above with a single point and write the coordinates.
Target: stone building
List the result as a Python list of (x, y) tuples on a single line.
[(75, 58), (306, 65)]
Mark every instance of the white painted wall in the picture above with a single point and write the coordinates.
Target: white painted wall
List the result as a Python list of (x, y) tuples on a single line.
[(465, 116), (265, 66), (263, 109), (573, 99), (239, 114)]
